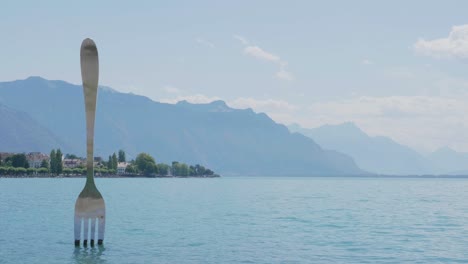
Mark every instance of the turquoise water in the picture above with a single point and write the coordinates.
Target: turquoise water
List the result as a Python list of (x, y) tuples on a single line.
[(241, 220)]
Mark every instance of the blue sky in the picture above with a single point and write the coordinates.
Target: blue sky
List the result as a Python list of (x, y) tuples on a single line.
[(395, 68)]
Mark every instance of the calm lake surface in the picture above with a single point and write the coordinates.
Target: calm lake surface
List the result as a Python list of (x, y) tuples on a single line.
[(241, 220)]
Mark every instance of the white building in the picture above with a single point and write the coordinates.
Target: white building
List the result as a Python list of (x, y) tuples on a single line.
[(121, 167), (35, 159)]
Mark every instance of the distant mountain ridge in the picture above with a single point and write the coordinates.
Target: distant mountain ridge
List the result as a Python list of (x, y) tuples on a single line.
[(383, 155), (449, 161), (231, 141), (20, 132)]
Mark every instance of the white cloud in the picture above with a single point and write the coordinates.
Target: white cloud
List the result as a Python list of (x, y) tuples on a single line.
[(262, 105), (205, 42), (195, 99), (367, 62), (243, 40), (261, 54), (258, 53), (453, 46)]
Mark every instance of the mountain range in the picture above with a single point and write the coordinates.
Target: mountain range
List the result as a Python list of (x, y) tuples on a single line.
[(39, 114), (383, 155), (19, 131), (449, 161)]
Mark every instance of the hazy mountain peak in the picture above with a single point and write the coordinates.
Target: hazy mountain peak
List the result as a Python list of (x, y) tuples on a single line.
[(219, 103), (445, 150), (350, 126), (33, 81), (449, 161), (35, 78)]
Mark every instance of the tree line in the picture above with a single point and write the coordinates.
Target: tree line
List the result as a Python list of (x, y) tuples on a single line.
[(143, 164), (18, 164)]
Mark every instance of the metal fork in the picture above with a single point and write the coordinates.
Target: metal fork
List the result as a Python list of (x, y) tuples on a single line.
[(90, 205)]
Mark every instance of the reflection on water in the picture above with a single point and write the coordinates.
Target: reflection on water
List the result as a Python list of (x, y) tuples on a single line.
[(89, 255)]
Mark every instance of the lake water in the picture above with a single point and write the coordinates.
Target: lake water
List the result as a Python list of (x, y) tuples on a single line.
[(241, 220)]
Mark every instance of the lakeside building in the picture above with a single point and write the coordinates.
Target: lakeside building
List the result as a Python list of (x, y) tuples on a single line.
[(121, 167), (35, 159), (73, 163)]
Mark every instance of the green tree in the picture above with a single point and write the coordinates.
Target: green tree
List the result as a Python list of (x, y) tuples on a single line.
[(109, 163), (163, 169), (20, 171), (192, 171), (146, 164), (180, 169), (114, 161), (30, 171), (184, 169), (122, 156), (201, 170), (67, 171), (102, 170), (42, 171), (3, 170), (19, 161), (83, 171), (44, 164), (58, 156), (175, 168), (10, 171), (53, 162), (71, 156), (130, 169)]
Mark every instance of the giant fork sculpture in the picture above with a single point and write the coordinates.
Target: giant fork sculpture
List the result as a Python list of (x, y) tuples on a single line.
[(89, 206)]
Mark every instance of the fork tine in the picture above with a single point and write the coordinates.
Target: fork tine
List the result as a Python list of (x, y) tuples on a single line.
[(101, 229), (77, 230), (93, 230), (85, 231)]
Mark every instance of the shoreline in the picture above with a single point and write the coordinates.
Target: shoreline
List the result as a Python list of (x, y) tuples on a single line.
[(104, 176), (374, 176)]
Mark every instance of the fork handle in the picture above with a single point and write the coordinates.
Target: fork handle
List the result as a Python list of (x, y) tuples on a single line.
[(90, 76)]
